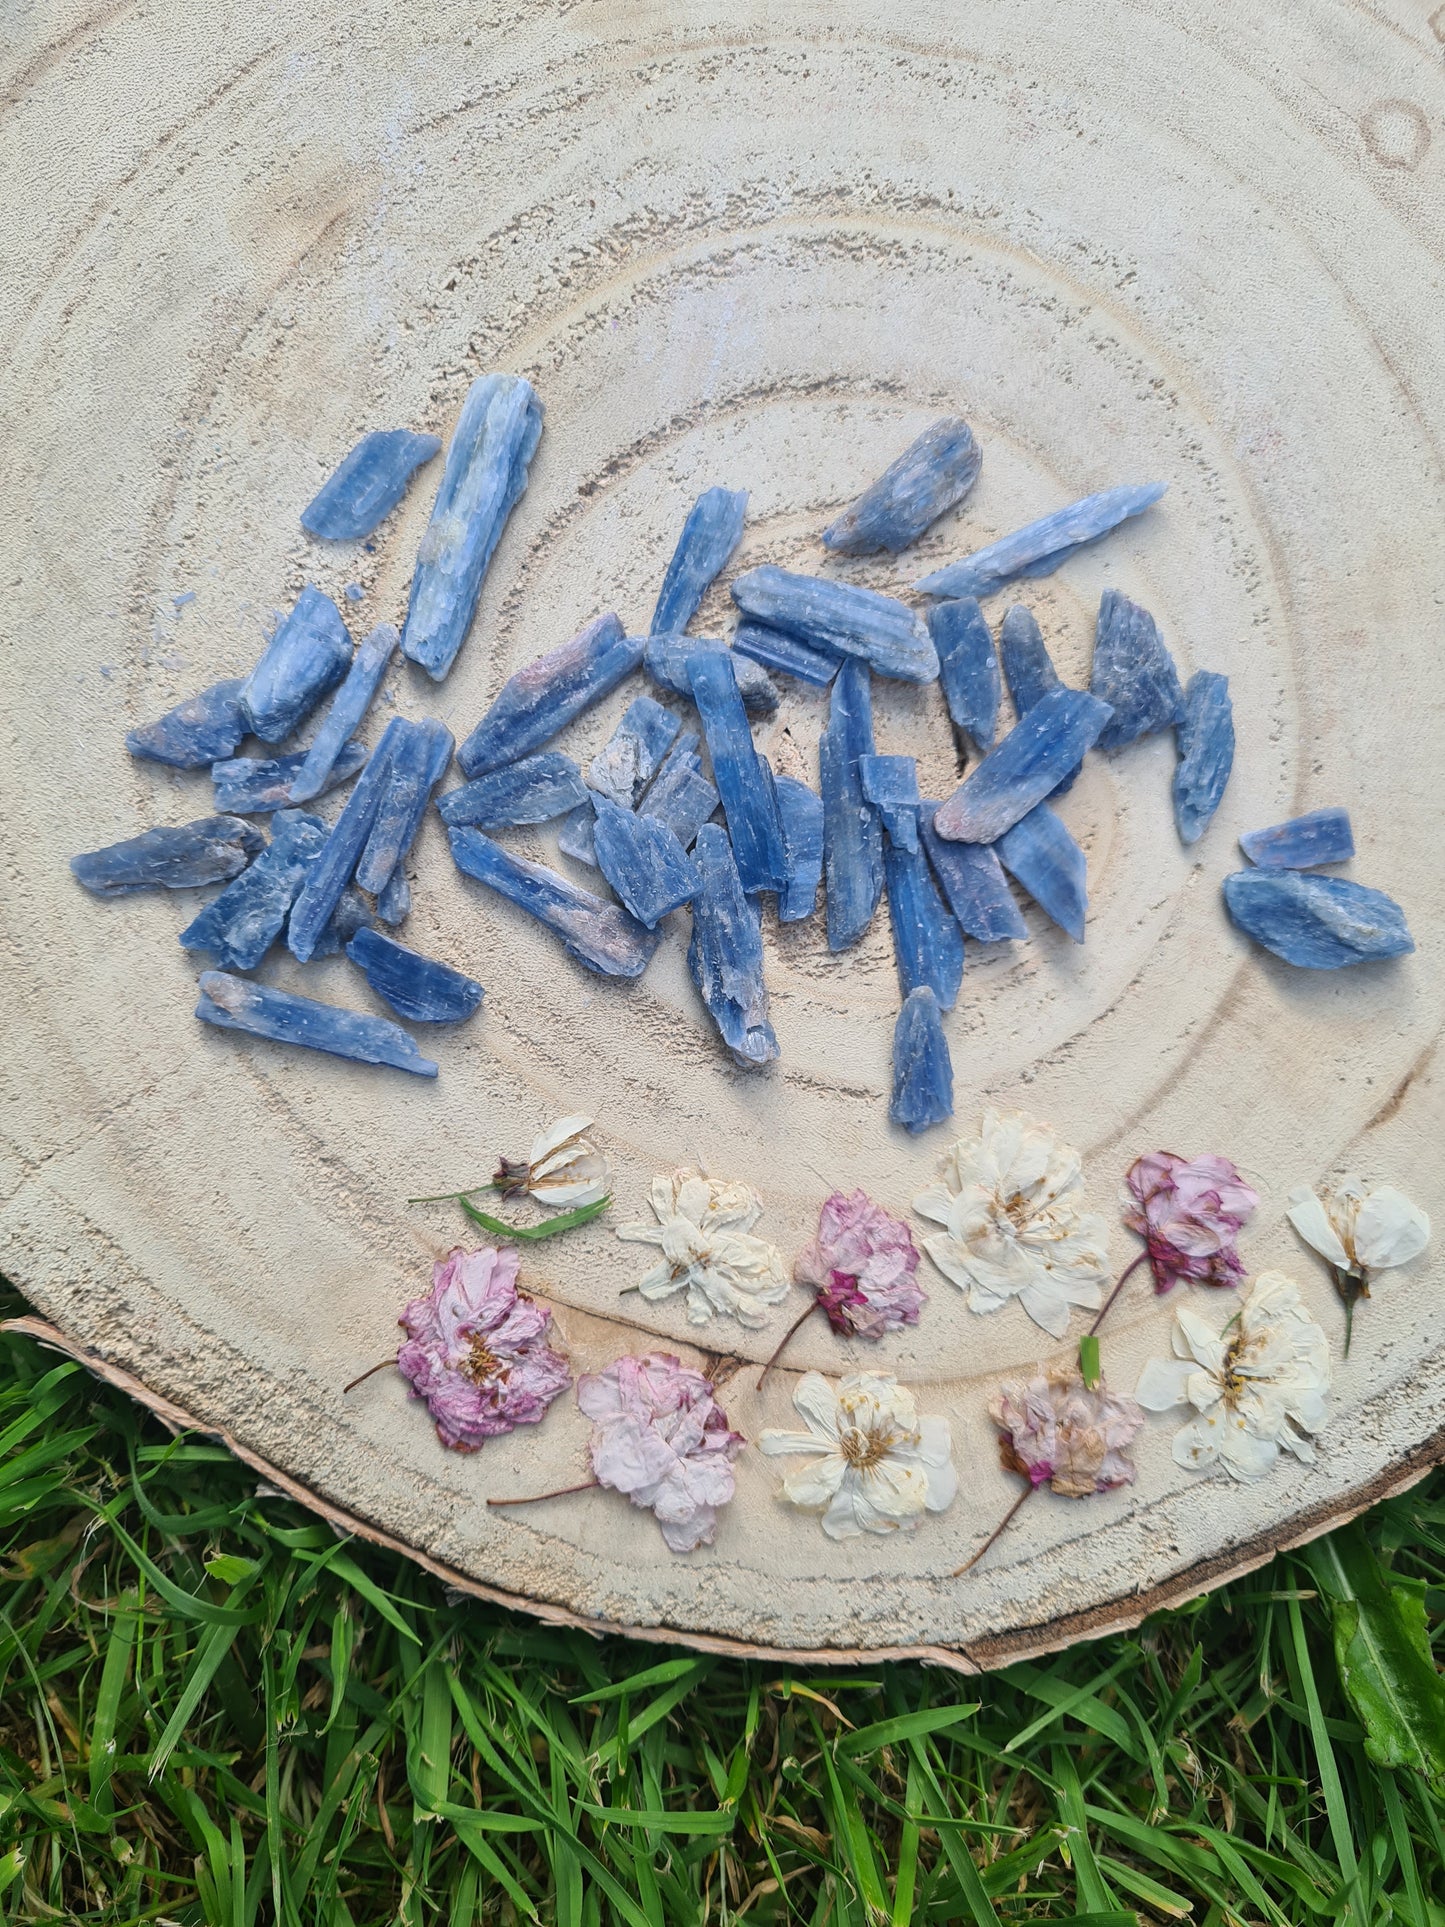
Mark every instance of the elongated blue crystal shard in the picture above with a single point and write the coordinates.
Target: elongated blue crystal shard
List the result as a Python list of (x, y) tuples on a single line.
[(725, 955), (967, 668), (252, 785), (543, 698), (801, 810), (419, 760), (416, 987), (348, 706), (748, 799), (890, 784), (852, 834), (971, 877), (336, 865), (1205, 740), (922, 1067), (927, 943), (1133, 673), (350, 915), (644, 863), (367, 484), (1028, 765), (1050, 865), (305, 659), (1027, 665), (236, 1003), (713, 529), (195, 732), (213, 849), (631, 756), (1304, 842), (603, 936), (931, 476), (682, 797), (840, 618), (243, 922), (393, 904), (531, 791), (1319, 923), (668, 656), (1039, 547), (492, 446), (774, 650)]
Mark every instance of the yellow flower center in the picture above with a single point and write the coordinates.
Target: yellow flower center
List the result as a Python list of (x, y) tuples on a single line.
[(864, 1450), (1018, 1210), (482, 1364)]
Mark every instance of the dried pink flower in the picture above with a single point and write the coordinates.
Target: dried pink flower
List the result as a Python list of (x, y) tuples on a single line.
[(1057, 1432), (663, 1439), (477, 1351), (1189, 1212), (863, 1266)]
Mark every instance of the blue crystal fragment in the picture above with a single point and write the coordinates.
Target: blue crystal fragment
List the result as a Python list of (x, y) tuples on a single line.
[(1029, 764), (243, 922), (922, 1067), (1319, 923), (543, 698), (252, 785), (725, 955), (416, 987), (333, 869), (742, 778), (967, 668), (644, 863), (576, 838), (195, 732), (350, 915), (1050, 865), (931, 476), (842, 619), (627, 762), (667, 658), (713, 529), (683, 799), (775, 650), (492, 446), (1133, 673), (1027, 665), (348, 706), (532, 791), (305, 659), (1039, 547), (973, 881), (1205, 739), (852, 834), (927, 943), (367, 484), (890, 783), (236, 1003), (393, 904), (603, 936), (419, 761), (801, 810), (213, 849), (1303, 843)]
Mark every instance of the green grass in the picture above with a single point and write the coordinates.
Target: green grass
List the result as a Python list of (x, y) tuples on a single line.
[(212, 1710)]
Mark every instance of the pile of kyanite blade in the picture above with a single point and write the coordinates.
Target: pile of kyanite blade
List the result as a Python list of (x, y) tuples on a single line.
[(678, 809)]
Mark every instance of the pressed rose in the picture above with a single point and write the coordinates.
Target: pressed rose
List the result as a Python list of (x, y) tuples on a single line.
[(863, 1265), (1189, 1211), (662, 1438), (704, 1228), (877, 1466), (1059, 1432), (563, 1167)]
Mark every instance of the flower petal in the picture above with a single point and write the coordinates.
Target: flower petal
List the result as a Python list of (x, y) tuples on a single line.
[(1389, 1230), (1310, 1219)]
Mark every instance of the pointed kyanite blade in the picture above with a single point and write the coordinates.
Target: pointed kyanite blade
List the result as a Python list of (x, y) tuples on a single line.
[(1039, 547), (196, 732), (725, 955), (1028, 765), (1319, 923), (600, 935), (890, 784), (1133, 673), (841, 619), (543, 698), (305, 659), (1303, 843), (235, 1003), (802, 814), (243, 922), (932, 475), (972, 879), (213, 849), (252, 785), (492, 445), (531, 791), (713, 529), (1027, 665), (367, 484), (773, 650), (1205, 738), (418, 763), (967, 668), (625, 765), (1050, 865), (747, 794), (667, 658), (335, 866), (644, 863), (681, 796), (927, 943), (348, 706), (852, 834), (415, 986), (393, 905), (922, 1067)]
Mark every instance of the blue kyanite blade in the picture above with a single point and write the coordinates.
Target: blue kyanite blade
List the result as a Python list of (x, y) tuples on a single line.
[(774, 650), (967, 668), (1028, 765), (367, 484), (1050, 865), (416, 987), (667, 658), (890, 784), (1133, 672), (196, 732), (713, 529), (236, 1003), (922, 1067), (252, 785), (549, 693), (243, 922), (213, 849), (971, 877), (576, 838), (492, 446), (1303, 843), (532, 791), (334, 868), (931, 476), (393, 904), (725, 955), (1205, 737), (801, 810), (348, 706), (683, 799), (350, 915), (305, 659), (927, 943), (603, 936), (852, 833), (1028, 667), (1319, 923), (631, 756), (840, 618), (1041, 546), (743, 780), (644, 863), (419, 760)]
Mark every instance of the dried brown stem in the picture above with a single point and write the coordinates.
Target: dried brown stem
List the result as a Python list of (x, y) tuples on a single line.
[(536, 1498), (782, 1343), (370, 1372)]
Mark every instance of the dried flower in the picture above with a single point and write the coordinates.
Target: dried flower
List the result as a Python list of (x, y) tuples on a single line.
[(1014, 1225), (477, 1352), (1058, 1432), (663, 1439), (1360, 1231), (862, 1264), (879, 1466), (564, 1167), (1189, 1211), (1260, 1384), (703, 1228)]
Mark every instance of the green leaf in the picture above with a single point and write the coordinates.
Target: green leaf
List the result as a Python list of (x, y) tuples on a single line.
[(564, 1221), (230, 1569), (1089, 1360)]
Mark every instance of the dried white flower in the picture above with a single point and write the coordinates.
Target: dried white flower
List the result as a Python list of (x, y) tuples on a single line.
[(1260, 1384), (703, 1227), (564, 1167), (878, 1466), (1357, 1230), (1011, 1204)]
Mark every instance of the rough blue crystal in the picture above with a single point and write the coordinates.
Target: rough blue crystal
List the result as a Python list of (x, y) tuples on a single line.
[(1027, 665), (576, 837), (743, 780), (393, 904), (927, 943), (628, 761), (532, 791), (543, 698), (213, 849), (416, 987), (973, 881), (841, 618), (1133, 673), (644, 863), (243, 922), (852, 834), (600, 935), (351, 914), (236, 1003), (367, 484), (492, 445), (922, 1067), (1205, 739), (1028, 765), (967, 668), (890, 784), (713, 529), (1303, 843), (725, 955), (348, 706), (419, 760), (682, 797), (667, 658), (931, 476), (1050, 865), (333, 869), (801, 810), (305, 659), (252, 785), (1319, 923), (195, 732), (774, 650), (1039, 547)]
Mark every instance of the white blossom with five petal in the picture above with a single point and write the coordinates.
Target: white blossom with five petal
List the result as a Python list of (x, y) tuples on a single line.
[(1358, 1230), (704, 1228), (877, 1466), (563, 1167)]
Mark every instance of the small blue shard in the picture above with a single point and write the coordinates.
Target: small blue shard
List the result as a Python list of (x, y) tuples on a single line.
[(336, 865), (533, 790), (890, 784), (927, 943), (367, 484), (801, 810), (213, 849), (852, 833), (774, 650), (237, 1003), (1027, 665), (631, 756), (1303, 843), (393, 904), (931, 476), (743, 780), (971, 877), (416, 987), (1318, 923), (198, 731), (350, 915), (419, 760), (348, 706), (305, 659), (922, 1067), (682, 798), (1133, 673), (667, 658), (713, 529), (967, 668), (576, 838), (252, 785), (551, 692), (644, 862), (603, 936), (840, 619), (1028, 765), (243, 922), (725, 955), (1046, 860), (1041, 546), (1205, 740)]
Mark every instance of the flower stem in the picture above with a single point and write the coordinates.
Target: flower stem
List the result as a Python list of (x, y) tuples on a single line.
[(370, 1372), (781, 1346), (1124, 1277), (453, 1197), (999, 1530), (536, 1498)]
